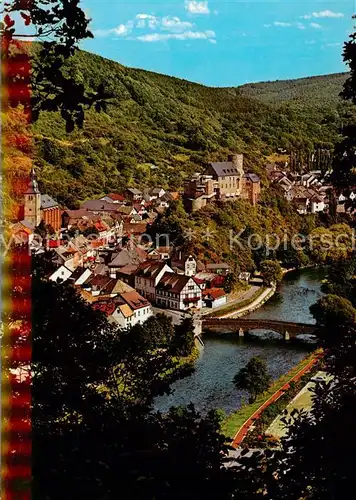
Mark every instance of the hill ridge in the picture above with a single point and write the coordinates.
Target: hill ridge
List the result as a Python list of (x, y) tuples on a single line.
[(175, 125)]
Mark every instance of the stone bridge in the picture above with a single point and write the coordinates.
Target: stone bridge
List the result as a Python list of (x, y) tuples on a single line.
[(241, 325)]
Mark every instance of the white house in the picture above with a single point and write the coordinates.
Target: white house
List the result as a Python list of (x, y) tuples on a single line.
[(317, 204), (61, 274), (160, 253), (176, 291), (84, 276), (214, 297), (148, 276), (133, 309), (309, 180)]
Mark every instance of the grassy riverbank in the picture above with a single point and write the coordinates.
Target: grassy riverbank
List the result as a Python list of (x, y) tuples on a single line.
[(235, 421), (189, 360), (237, 305)]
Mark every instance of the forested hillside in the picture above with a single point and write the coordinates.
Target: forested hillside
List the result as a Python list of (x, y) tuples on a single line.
[(317, 92), (159, 129)]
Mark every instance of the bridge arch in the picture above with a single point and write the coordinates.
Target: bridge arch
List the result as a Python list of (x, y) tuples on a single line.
[(286, 329)]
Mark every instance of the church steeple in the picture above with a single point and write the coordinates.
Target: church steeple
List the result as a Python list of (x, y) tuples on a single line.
[(33, 201), (32, 187)]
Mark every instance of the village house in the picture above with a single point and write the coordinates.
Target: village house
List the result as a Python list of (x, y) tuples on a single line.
[(40, 207), (221, 268), (127, 210), (309, 180), (178, 292), (71, 218), (102, 285), (317, 204), (113, 198), (186, 265), (127, 274), (209, 280), (133, 309), (307, 200), (126, 310), (126, 260), (214, 297), (69, 256), (61, 274), (134, 229), (100, 206), (159, 253), (133, 194), (80, 276), (148, 275), (156, 193), (23, 232)]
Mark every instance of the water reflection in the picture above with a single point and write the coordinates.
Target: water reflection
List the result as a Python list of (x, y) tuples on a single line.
[(211, 384)]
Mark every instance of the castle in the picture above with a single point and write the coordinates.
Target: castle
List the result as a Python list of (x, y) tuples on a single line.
[(221, 181), (40, 207)]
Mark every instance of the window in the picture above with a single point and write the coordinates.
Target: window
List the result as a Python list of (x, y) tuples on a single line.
[(191, 287)]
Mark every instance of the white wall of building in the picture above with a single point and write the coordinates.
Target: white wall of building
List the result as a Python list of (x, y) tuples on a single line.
[(62, 273)]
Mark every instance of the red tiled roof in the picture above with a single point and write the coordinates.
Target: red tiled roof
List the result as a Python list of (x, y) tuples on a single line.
[(116, 197), (128, 270), (97, 243), (134, 228), (55, 243), (107, 308), (101, 226), (214, 293), (134, 300)]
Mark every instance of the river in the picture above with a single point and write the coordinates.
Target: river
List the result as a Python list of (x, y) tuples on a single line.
[(210, 386)]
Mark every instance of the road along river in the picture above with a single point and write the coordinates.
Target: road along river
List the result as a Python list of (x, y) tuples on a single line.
[(211, 384)]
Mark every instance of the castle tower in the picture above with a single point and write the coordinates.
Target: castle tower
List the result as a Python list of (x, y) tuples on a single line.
[(33, 201), (238, 162)]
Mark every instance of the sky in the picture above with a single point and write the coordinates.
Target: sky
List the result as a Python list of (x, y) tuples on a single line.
[(223, 42)]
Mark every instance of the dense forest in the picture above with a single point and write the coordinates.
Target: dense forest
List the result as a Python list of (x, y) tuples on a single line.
[(313, 92), (158, 129)]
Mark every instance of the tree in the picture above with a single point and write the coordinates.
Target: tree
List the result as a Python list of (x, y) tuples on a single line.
[(92, 393), (344, 173), (59, 26), (230, 282), (44, 229), (332, 311), (342, 280), (253, 378), (183, 342), (271, 272)]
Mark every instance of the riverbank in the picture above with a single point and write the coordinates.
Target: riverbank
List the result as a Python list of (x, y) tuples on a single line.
[(239, 308), (211, 386), (244, 307), (239, 423)]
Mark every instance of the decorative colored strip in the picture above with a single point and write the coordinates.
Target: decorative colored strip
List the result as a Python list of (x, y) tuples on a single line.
[(16, 350)]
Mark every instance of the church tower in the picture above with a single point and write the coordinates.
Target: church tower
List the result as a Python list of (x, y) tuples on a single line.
[(33, 201)]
